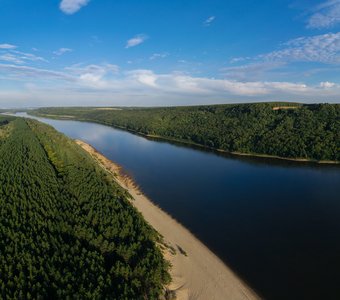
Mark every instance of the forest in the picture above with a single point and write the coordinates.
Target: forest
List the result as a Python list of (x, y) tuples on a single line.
[(288, 130), (67, 230)]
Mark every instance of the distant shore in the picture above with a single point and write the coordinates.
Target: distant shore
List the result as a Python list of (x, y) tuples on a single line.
[(196, 272), (189, 143), (306, 160)]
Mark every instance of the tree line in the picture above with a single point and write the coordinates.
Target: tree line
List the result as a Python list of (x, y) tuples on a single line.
[(289, 130), (67, 230)]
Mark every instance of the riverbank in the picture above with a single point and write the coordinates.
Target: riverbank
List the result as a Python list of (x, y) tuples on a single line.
[(189, 143), (184, 142), (196, 272)]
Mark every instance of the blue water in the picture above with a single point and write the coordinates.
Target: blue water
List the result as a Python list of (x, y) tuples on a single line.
[(275, 223)]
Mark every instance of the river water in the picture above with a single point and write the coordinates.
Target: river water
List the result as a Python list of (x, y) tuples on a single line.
[(275, 223)]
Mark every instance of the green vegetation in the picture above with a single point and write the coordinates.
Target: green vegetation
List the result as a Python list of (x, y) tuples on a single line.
[(67, 230), (288, 130)]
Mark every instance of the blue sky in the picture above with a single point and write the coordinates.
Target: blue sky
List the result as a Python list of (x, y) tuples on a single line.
[(157, 52)]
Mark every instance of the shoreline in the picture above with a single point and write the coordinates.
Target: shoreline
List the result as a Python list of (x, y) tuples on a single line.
[(188, 143), (196, 272)]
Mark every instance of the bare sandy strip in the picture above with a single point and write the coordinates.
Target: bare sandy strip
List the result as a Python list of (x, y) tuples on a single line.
[(57, 116), (196, 272), (108, 108), (285, 107)]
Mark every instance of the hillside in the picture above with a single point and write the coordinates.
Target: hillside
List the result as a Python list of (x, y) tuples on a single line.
[(287, 130), (67, 230)]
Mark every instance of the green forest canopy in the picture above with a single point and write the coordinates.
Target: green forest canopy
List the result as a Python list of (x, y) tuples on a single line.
[(289, 130), (67, 230)]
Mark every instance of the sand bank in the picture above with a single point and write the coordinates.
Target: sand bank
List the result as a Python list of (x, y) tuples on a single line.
[(196, 272)]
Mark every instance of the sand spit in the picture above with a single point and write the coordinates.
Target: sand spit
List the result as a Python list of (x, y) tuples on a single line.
[(196, 272)]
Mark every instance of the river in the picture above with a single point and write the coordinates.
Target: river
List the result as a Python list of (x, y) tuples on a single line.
[(275, 223)]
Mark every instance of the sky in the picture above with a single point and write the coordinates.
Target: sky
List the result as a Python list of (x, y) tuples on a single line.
[(158, 52)]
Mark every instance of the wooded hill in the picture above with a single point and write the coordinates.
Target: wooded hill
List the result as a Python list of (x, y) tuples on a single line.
[(288, 130), (67, 230)]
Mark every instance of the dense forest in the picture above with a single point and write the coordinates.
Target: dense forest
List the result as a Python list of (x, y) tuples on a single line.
[(289, 130), (67, 230)]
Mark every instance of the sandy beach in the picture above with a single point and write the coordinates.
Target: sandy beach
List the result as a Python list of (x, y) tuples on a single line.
[(196, 272)]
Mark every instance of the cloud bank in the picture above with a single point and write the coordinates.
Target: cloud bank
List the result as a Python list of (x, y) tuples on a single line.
[(105, 84)]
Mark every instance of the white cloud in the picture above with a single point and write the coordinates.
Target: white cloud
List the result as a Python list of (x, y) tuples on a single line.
[(72, 6), (159, 55), (238, 59), (208, 21), (325, 15), (62, 51), (28, 56), (29, 73), (323, 48), (251, 71), (145, 77), (318, 53), (94, 69), (327, 84), (137, 40), (9, 57), (7, 46), (93, 75), (19, 57)]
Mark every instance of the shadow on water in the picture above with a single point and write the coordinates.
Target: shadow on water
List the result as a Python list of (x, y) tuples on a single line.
[(275, 222)]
